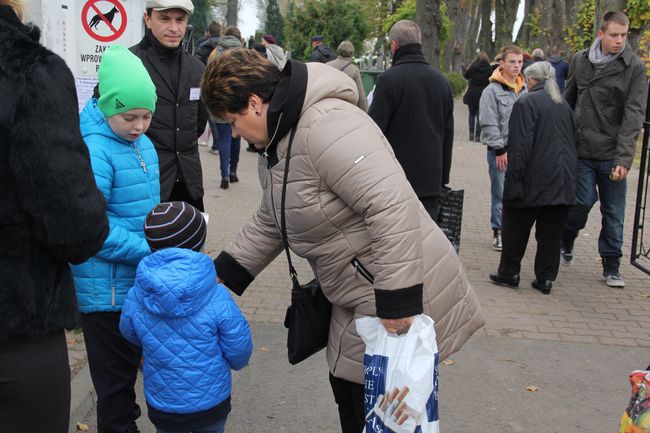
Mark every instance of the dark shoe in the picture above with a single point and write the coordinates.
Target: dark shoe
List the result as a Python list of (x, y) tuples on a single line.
[(224, 183), (233, 178), (504, 280), (543, 286), (497, 245), (610, 272), (566, 253), (214, 151), (471, 137)]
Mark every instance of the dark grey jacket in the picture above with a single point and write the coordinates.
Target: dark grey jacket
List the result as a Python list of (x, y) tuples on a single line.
[(542, 159), (52, 212), (609, 106), (180, 117)]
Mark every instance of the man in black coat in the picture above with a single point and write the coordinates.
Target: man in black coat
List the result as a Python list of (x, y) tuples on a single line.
[(180, 116), (414, 107)]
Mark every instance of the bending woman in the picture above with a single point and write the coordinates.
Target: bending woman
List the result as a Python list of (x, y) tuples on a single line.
[(350, 211)]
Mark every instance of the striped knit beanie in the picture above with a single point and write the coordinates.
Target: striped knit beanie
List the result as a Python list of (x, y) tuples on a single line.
[(175, 224)]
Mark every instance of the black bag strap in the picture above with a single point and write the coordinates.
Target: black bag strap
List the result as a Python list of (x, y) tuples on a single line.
[(345, 66), (283, 222)]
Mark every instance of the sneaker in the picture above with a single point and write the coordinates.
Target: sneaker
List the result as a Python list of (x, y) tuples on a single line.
[(614, 279), (496, 240), (566, 256), (224, 183), (214, 151)]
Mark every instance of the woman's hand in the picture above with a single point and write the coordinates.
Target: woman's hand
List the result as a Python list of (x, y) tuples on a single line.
[(398, 326)]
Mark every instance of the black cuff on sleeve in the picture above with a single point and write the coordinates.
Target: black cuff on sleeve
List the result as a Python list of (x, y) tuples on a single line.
[(400, 303), (500, 151), (234, 275)]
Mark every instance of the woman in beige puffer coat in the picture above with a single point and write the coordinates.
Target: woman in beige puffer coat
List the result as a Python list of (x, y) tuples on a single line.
[(350, 211)]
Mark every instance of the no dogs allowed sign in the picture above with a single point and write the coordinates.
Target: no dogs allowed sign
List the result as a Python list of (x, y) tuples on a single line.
[(104, 20)]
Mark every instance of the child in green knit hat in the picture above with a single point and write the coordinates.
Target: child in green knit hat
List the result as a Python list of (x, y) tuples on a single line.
[(125, 165)]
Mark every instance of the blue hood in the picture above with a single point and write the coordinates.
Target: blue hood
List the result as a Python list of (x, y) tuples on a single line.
[(175, 282)]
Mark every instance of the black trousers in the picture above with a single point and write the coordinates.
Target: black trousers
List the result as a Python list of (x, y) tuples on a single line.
[(35, 385), (180, 193), (432, 206), (113, 363), (515, 230), (349, 397)]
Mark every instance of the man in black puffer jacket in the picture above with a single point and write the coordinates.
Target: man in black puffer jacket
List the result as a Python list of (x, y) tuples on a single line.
[(52, 213), (206, 47), (180, 116)]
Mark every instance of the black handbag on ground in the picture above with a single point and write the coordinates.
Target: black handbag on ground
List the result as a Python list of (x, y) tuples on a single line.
[(450, 216), (308, 316)]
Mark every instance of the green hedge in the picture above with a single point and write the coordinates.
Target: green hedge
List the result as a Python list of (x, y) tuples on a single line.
[(457, 81)]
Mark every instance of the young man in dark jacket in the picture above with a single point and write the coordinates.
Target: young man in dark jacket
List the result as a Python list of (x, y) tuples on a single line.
[(180, 116), (210, 43), (561, 67), (414, 107), (322, 53), (607, 87)]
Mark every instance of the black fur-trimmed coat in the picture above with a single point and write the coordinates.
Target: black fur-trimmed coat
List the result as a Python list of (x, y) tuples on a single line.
[(51, 211)]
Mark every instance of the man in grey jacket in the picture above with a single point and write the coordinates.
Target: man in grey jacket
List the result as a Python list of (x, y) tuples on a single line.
[(607, 87), (505, 88)]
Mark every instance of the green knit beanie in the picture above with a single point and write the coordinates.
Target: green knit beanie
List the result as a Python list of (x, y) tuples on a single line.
[(124, 83)]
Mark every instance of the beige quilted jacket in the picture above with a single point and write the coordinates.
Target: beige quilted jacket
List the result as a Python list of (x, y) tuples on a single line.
[(352, 214)]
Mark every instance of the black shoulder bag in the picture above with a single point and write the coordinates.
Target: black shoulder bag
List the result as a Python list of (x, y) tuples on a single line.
[(308, 316)]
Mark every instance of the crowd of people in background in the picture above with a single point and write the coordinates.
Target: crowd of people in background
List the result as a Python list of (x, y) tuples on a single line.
[(102, 212)]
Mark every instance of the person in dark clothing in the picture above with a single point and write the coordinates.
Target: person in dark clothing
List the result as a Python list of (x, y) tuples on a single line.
[(561, 67), (209, 44), (180, 116), (322, 53), (478, 76), (202, 53), (414, 107), (540, 180), (52, 214)]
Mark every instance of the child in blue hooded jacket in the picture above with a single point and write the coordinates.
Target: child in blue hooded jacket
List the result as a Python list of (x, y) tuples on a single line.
[(191, 331), (125, 165)]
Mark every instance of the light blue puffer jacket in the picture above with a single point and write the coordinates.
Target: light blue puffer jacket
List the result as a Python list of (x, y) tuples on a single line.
[(190, 329), (127, 174)]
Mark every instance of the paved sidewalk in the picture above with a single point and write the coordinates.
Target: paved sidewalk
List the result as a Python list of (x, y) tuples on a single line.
[(576, 345)]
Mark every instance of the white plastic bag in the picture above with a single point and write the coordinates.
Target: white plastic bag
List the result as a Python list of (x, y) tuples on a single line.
[(401, 377)]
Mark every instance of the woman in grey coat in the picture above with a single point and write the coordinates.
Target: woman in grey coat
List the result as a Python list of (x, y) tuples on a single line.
[(344, 63)]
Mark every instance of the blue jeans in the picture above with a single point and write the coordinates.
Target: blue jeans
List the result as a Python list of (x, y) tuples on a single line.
[(215, 134), (594, 181), (228, 150), (217, 427), (497, 179), (474, 124)]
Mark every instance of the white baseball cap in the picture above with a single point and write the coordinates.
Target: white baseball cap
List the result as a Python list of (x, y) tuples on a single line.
[(161, 5)]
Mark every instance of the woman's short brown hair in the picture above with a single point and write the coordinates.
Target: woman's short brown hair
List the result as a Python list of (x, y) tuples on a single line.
[(230, 80)]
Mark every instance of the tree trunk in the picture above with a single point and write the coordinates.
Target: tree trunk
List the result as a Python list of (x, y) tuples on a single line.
[(506, 14), (459, 14), (427, 16), (231, 15), (472, 43), (485, 39)]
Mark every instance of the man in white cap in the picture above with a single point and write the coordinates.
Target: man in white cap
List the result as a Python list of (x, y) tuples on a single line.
[(180, 117)]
